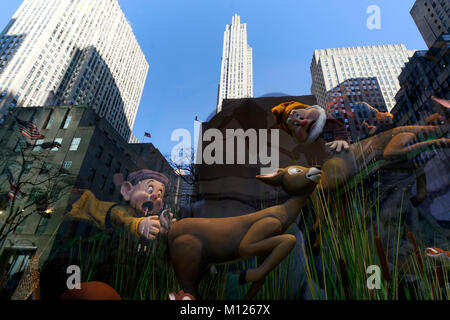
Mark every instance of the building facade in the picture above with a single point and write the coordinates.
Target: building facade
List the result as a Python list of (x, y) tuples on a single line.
[(331, 68), (62, 52), (427, 74), (185, 187), (346, 102), (228, 187), (236, 75), (91, 152), (432, 18)]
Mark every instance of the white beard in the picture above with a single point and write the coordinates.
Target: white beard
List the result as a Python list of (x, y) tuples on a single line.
[(318, 127)]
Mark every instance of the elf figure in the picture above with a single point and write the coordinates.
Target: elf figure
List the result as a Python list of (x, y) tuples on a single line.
[(139, 216), (143, 192), (307, 123)]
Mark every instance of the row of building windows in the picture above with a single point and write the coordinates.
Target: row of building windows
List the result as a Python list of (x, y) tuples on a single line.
[(131, 77), (73, 146)]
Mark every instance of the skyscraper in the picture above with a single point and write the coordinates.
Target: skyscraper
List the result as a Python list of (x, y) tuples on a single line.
[(330, 68), (236, 75), (432, 17), (427, 74), (56, 52)]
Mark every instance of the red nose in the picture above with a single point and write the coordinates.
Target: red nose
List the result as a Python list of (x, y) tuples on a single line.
[(153, 197), (303, 123)]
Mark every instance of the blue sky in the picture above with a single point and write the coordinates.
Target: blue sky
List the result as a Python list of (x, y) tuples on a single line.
[(182, 41)]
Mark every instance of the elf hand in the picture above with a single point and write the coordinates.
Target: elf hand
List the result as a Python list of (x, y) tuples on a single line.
[(166, 219), (338, 145), (149, 227)]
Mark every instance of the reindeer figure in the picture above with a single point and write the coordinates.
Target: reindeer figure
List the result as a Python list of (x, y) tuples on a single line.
[(195, 243), (393, 149)]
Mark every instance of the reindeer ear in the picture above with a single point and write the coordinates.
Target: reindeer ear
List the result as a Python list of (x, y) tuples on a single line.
[(273, 179), (443, 102)]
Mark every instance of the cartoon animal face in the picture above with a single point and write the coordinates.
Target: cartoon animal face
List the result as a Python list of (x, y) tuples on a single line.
[(146, 196), (295, 180), (307, 124), (385, 118)]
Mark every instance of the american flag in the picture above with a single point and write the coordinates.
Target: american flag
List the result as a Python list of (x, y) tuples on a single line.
[(15, 192), (29, 130), (148, 135)]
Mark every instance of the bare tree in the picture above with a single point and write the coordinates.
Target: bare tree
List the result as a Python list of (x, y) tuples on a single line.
[(35, 184), (186, 165), (187, 171)]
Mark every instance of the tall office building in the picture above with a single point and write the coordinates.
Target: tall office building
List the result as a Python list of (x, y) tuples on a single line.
[(236, 76), (432, 17), (56, 52), (345, 102), (330, 68), (427, 74)]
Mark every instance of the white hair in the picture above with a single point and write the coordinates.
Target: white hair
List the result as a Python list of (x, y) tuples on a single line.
[(318, 128)]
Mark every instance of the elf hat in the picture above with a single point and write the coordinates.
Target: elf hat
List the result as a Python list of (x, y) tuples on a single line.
[(282, 111), (144, 174)]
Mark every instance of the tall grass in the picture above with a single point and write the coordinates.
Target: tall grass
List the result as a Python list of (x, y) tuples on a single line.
[(349, 241), (352, 235)]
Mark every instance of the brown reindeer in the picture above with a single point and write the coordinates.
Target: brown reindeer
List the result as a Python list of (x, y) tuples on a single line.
[(194, 243), (393, 149)]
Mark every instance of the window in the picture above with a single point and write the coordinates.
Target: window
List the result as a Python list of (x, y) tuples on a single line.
[(57, 140), (112, 188), (42, 226), (27, 167), (35, 194), (46, 168), (99, 152), (49, 123), (15, 260), (21, 145), (67, 164), (102, 182), (109, 160), (67, 122), (91, 176), (75, 144), (37, 146), (118, 166)]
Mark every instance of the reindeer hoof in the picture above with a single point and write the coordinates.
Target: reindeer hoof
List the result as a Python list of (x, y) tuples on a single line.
[(242, 277)]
